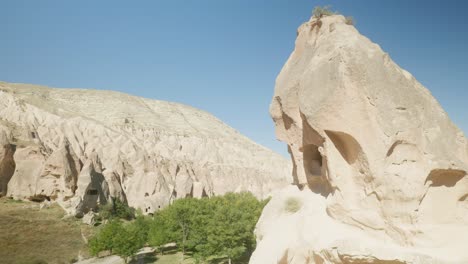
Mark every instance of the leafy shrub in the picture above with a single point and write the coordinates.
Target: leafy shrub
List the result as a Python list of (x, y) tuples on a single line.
[(162, 230), (103, 240), (320, 12), (116, 209), (292, 205), (11, 200), (141, 226), (120, 239), (349, 20)]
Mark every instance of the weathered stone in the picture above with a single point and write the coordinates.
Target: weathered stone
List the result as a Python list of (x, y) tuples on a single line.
[(89, 218), (380, 168), (7, 162), (82, 147)]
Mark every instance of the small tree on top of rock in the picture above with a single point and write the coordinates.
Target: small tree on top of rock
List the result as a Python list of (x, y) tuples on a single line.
[(320, 11)]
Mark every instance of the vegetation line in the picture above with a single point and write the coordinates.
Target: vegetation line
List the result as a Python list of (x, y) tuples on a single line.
[(208, 229)]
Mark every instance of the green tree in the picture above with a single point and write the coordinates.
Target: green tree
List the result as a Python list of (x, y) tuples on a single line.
[(104, 239), (181, 214), (201, 227), (220, 227), (127, 242), (141, 226), (174, 224), (120, 239), (161, 230), (234, 224), (227, 228)]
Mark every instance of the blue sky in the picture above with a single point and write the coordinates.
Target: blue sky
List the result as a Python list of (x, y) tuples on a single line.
[(220, 56)]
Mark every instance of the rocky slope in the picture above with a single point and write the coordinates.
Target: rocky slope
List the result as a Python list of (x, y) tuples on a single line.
[(380, 170), (82, 147)]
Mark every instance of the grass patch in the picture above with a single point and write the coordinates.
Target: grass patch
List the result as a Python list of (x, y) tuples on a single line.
[(292, 205), (30, 235), (173, 259)]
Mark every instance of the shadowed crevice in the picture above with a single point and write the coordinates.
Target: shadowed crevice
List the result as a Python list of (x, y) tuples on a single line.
[(287, 121), (348, 147), (463, 198), (394, 145), (314, 163), (445, 177), (7, 167)]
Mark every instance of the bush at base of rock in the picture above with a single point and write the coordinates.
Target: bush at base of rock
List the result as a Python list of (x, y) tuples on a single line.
[(220, 227), (116, 209), (119, 238)]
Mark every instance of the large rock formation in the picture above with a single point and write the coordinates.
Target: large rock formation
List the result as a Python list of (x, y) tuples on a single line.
[(380, 170), (83, 147)]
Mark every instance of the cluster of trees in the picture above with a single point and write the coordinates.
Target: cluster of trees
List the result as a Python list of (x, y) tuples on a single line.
[(207, 228)]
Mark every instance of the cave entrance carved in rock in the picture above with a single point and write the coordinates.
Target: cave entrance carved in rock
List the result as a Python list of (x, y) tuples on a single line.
[(315, 169)]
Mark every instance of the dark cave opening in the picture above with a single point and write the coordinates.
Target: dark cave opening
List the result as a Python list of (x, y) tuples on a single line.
[(315, 170), (312, 161)]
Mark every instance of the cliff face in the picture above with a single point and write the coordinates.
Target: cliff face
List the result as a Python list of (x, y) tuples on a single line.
[(82, 147), (379, 167)]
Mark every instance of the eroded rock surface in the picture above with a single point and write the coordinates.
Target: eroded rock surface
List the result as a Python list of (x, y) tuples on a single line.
[(380, 170), (83, 147), (7, 162)]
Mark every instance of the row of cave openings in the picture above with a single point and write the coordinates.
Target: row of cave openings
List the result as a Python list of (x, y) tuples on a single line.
[(316, 170), (8, 169)]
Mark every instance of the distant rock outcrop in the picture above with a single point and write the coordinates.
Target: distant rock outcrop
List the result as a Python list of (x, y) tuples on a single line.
[(83, 147), (381, 171)]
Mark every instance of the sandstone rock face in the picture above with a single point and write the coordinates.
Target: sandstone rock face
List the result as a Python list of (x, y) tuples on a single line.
[(7, 163), (82, 148), (380, 170)]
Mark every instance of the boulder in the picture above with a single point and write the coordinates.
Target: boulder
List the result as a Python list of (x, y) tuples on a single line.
[(89, 218), (380, 170)]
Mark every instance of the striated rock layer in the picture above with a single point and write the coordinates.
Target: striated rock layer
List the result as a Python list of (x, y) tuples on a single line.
[(83, 147), (380, 170)]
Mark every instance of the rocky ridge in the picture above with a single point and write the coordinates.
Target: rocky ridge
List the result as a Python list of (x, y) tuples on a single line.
[(82, 148)]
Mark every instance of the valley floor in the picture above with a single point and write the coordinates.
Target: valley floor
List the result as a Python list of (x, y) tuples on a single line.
[(29, 234), (171, 258)]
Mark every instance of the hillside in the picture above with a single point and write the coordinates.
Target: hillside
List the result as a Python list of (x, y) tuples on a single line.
[(83, 147)]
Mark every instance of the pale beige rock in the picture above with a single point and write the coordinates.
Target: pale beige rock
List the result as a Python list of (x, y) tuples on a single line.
[(7, 163), (381, 167), (103, 260), (89, 218), (81, 147)]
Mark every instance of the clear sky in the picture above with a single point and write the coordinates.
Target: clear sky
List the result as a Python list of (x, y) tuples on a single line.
[(220, 56)]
